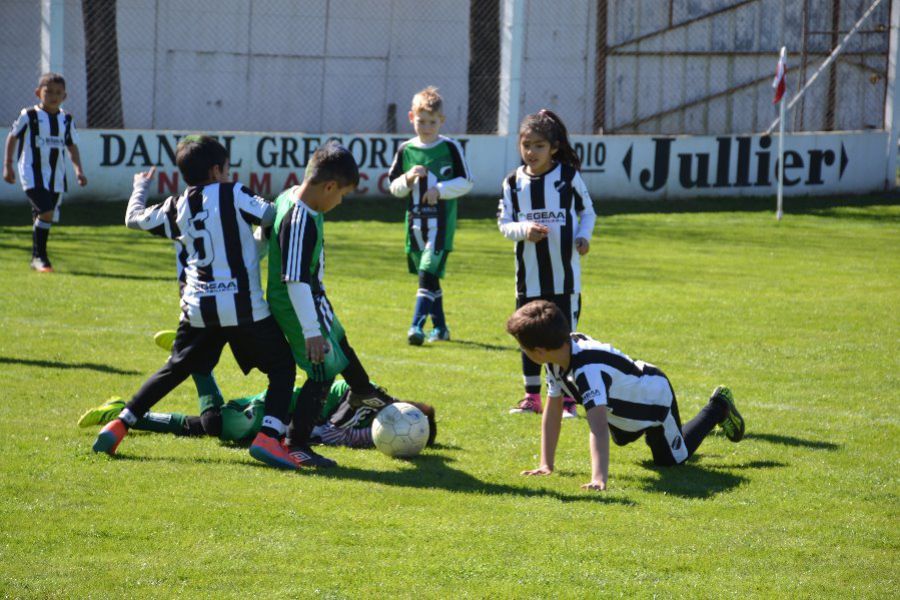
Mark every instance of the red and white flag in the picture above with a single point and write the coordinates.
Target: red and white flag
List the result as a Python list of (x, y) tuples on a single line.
[(779, 83)]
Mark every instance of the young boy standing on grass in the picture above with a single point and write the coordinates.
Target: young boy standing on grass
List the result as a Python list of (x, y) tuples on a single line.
[(622, 397), (43, 133), (221, 296), (296, 295), (431, 170)]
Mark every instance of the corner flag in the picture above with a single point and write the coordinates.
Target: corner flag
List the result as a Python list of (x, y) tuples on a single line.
[(779, 83)]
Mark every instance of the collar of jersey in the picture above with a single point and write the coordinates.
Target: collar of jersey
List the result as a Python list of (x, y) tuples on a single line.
[(538, 177), (418, 144), (299, 200)]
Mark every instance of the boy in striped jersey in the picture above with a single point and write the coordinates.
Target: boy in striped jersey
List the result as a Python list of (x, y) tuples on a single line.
[(296, 290), (430, 169), (211, 224), (43, 133), (622, 397)]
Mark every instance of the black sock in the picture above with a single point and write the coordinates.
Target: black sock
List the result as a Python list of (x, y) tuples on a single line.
[(354, 373), (40, 233), (699, 427)]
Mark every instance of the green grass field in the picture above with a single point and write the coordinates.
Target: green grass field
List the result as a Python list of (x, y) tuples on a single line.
[(799, 318)]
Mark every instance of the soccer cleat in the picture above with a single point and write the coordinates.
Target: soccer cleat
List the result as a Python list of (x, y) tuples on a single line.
[(569, 409), (110, 437), (307, 457), (165, 339), (528, 404), (41, 265), (272, 452), (378, 398), (733, 423), (415, 336), (439, 334), (103, 414)]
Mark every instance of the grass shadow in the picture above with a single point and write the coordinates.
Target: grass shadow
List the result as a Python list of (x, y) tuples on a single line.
[(119, 276), (789, 440), (433, 471), (55, 364), (484, 346)]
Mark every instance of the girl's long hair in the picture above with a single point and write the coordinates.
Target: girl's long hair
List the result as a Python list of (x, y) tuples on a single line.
[(549, 126)]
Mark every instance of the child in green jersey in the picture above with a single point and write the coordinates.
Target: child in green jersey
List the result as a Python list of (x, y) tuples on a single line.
[(296, 289), (429, 169), (339, 422)]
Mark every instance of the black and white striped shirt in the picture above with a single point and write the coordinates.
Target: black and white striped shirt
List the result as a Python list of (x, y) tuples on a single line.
[(558, 199), (637, 394), (218, 263), (42, 142)]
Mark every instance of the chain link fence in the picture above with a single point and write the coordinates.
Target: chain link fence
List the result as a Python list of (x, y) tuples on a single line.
[(606, 66)]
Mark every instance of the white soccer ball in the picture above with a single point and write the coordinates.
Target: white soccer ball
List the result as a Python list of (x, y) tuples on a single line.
[(400, 429)]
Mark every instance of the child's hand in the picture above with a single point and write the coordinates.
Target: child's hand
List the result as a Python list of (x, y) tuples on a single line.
[(82, 180), (141, 177), (316, 349), (431, 197), (536, 232), (542, 470), (9, 175), (414, 173), (582, 246), (596, 485)]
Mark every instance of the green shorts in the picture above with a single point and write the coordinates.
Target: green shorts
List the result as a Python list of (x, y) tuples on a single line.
[(428, 261), (335, 360)]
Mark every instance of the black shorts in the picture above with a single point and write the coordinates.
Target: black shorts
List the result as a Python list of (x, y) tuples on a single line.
[(42, 200), (665, 441), (569, 304), (260, 345)]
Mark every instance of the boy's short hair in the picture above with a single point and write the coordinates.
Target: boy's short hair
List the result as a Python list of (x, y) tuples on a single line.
[(428, 100), (333, 162), (48, 78), (539, 324), (196, 155)]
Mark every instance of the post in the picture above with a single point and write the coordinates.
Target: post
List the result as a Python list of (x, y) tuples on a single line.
[(52, 27), (892, 100), (512, 48), (778, 211)]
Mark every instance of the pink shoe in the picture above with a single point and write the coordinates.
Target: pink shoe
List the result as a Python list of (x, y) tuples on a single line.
[(531, 403)]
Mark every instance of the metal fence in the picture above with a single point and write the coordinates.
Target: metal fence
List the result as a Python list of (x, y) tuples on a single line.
[(610, 66)]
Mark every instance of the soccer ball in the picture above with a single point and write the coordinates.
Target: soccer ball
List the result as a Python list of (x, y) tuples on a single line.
[(400, 429)]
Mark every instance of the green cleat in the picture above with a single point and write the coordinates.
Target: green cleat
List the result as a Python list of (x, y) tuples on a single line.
[(165, 339), (103, 414), (733, 423)]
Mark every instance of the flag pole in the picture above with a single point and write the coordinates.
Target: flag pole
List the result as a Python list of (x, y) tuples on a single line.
[(778, 211)]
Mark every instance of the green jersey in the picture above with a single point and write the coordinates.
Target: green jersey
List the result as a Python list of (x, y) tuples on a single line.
[(430, 227), (297, 255), (242, 417)]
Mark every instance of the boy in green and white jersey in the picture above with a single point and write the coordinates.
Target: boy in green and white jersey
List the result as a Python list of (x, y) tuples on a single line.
[(296, 289), (431, 170)]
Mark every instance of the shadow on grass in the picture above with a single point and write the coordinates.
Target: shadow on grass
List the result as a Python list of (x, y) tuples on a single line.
[(484, 346), (788, 440), (433, 471), (119, 276), (55, 364), (689, 480)]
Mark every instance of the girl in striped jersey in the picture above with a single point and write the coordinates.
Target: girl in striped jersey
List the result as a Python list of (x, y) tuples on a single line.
[(547, 211)]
